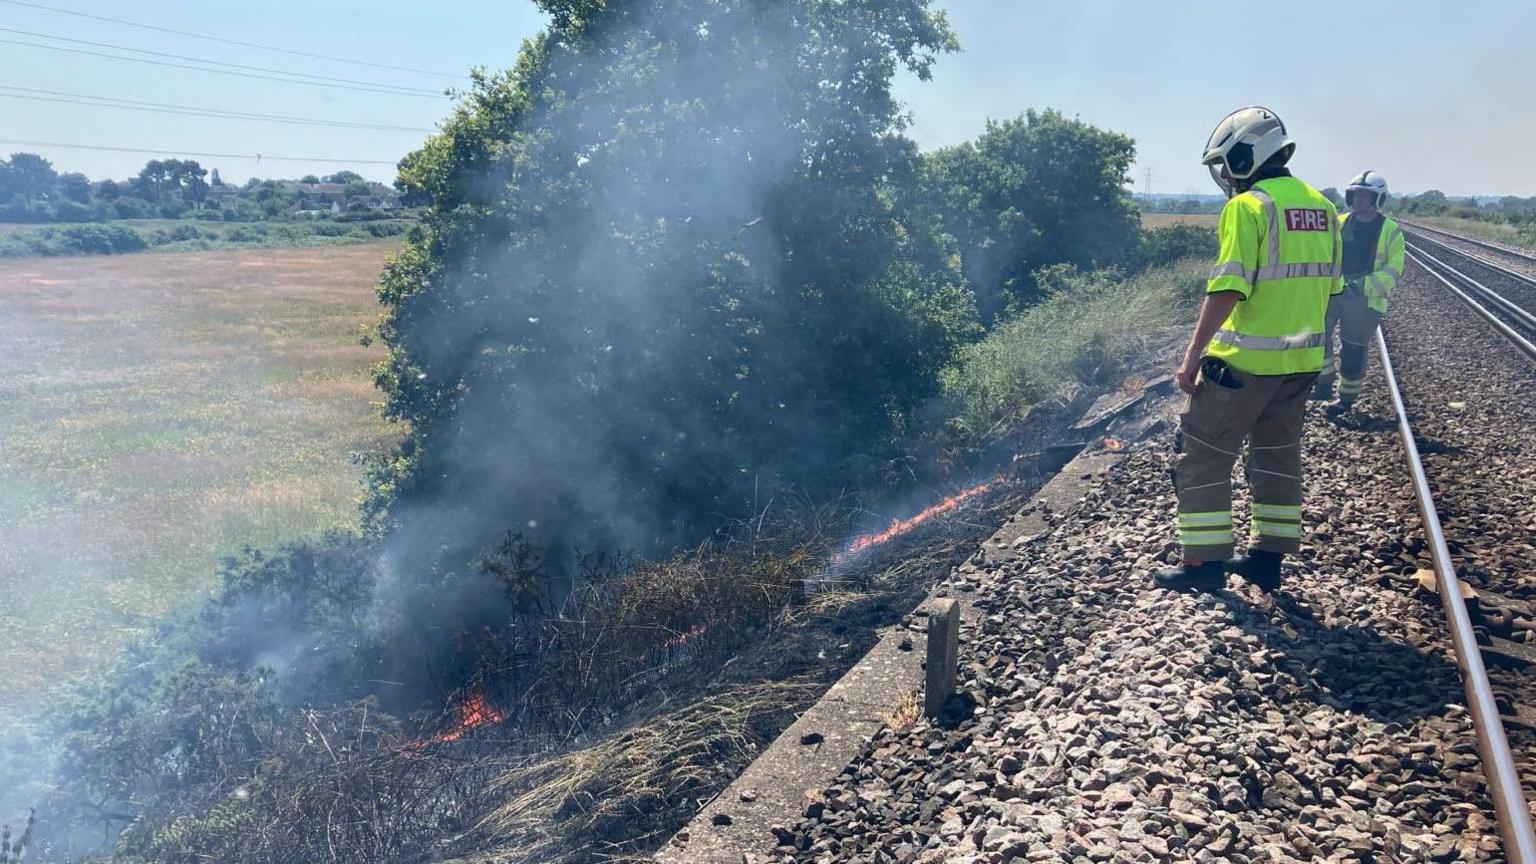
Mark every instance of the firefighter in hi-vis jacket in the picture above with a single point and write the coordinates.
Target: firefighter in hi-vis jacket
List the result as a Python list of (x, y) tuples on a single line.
[(1254, 357), (1373, 262)]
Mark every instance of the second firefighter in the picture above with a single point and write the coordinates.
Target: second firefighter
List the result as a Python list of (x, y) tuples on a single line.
[(1373, 262)]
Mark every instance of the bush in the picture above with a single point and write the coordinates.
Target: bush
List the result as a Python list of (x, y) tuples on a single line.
[(88, 239), (1170, 243), (71, 211), (1092, 328), (181, 234)]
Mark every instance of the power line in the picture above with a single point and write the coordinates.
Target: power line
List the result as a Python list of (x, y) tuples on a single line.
[(206, 62), (189, 110), (259, 157), (235, 41), (422, 95)]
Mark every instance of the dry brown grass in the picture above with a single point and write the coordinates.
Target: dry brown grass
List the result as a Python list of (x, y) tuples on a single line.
[(906, 714), (1161, 220), (158, 411), (628, 785)]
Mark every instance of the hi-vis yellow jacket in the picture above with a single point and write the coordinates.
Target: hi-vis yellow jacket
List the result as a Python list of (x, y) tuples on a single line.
[(1378, 284), (1280, 249)]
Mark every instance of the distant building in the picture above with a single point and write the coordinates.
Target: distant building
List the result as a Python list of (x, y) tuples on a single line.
[(318, 191), (314, 208)]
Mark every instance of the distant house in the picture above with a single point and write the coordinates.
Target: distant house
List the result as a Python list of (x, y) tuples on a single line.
[(314, 196), (314, 208), (318, 191)]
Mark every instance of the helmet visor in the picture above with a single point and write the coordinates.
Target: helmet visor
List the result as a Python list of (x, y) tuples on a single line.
[(1218, 171)]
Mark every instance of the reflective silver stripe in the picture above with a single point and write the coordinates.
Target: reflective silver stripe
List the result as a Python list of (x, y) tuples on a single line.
[(1273, 216), (1299, 271), (1233, 268), (1268, 343)]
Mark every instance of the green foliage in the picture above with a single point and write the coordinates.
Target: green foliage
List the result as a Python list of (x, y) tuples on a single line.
[(1189, 205), (32, 192), (661, 271), (1159, 246), (117, 238), (1031, 192), (1092, 328), (72, 240)]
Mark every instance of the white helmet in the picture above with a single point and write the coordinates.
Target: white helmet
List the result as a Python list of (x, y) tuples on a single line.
[(1243, 141), (1368, 181)]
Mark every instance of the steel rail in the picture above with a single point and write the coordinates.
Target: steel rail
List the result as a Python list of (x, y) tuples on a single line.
[(1473, 240), (1510, 308), (1524, 345), (1479, 260), (1492, 745)]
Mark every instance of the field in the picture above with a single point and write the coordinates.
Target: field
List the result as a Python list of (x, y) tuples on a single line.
[(156, 412), (1159, 220), (1498, 232)]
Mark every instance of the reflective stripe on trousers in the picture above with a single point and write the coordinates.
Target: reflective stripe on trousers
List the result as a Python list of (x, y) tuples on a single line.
[(1281, 521)]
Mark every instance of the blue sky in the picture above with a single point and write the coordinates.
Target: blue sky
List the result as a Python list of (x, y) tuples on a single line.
[(1434, 95)]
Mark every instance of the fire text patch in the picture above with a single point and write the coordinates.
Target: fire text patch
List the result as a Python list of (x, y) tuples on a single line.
[(1306, 220)]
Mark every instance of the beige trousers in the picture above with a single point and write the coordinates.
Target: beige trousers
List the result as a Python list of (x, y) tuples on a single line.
[(1266, 412)]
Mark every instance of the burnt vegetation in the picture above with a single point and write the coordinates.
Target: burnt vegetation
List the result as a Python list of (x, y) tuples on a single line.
[(682, 282)]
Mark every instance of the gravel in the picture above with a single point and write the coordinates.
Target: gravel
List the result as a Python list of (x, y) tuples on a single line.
[(1113, 721)]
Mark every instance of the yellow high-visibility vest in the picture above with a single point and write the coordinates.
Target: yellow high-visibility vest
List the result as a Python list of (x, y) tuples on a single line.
[(1390, 251), (1280, 249)]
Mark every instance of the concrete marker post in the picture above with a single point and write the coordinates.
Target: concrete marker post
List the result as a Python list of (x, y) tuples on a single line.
[(943, 656)]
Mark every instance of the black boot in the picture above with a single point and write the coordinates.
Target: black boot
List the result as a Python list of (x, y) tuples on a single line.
[(1322, 391), (1339, 407), (1259, 567), (1191, 577)]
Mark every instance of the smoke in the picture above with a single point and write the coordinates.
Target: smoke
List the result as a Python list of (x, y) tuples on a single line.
[(618, 346), (663, 281)]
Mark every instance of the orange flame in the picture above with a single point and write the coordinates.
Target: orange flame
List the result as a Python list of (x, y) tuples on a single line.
[(474, 712), (899, 527), (693, 632), (1113, 444)]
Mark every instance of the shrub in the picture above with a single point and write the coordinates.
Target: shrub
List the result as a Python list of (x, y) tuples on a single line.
[(1092, 328), (1170, 243)]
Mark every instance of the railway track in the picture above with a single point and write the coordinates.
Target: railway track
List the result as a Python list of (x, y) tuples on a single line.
[(1511, 255), (1355, 715), (1502, 296), (1498, 761)]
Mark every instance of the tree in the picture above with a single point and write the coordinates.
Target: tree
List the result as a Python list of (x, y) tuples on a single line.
[(273, 198), (357, 189), (171, 183), (309, 178), (342, 177), (660, 270), (194, 189), (1038, 190), (75, 187), (27, 175), (216, 180)]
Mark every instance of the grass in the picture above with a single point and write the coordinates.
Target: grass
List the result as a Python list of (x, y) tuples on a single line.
[(1160, 220), (1094, 328), (157, 412), (1497, 232)]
